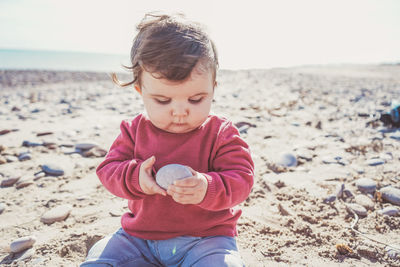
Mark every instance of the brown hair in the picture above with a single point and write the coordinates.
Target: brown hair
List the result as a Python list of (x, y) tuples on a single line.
[(169, 47)]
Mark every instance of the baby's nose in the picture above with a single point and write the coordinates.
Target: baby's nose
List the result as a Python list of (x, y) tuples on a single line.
[(179, 110)]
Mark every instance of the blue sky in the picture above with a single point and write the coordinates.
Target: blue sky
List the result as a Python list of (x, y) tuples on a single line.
[(248, 34)]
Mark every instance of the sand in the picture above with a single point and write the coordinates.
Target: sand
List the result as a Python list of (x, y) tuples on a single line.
[(325, 116)]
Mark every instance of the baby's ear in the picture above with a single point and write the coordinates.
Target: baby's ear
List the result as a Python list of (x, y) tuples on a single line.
[(137, 88)]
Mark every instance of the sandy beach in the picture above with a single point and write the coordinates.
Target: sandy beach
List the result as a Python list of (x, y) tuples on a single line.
[(321, 158)]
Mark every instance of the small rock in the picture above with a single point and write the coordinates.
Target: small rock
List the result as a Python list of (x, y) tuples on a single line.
[(22, 243), (347, 193), (358, 209), (56, 214), (339, 190), (39, 175), (52, 169), (44, 133), (391, 194), (329, 199), (169, 173), (5, 131), (375, 162), (24, 156), (95, 152), (393, 252), (287, 160), (85, 146), (10, 158), (30, 144), (366, 251), (366, 185), (10, 181), (2, 160), (389, 211), (24, 182), (2, 207), (365, 201)]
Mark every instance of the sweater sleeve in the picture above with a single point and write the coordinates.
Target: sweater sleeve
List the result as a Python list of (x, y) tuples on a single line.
[(119, 172), (231, 180)]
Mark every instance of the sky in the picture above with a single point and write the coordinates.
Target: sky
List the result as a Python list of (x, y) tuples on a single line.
[(248, 34)]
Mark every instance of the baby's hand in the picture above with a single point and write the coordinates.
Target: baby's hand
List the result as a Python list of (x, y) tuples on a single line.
[(146, 179), (191, 190)]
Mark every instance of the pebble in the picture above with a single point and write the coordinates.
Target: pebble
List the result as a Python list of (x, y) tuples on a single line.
[(391, 194), (10, 181), (366, 251), (85, 146), (375, 162), (10, 158), (358, 209), (366, 185), (52, 169), (171, 172), (390, 211), (2, 207), (365, 201), (22, 243), (395, 136), (347, 193), (56, 214), (339, 190), (329, 199), (23, 182), (393, 252), (95, 152), (30, 144), (24, 156), (287, 160)]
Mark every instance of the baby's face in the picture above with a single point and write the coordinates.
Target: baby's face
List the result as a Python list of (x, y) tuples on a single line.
[(178, 107)]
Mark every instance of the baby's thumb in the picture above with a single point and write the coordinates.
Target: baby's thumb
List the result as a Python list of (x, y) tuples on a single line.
[(148, 163)]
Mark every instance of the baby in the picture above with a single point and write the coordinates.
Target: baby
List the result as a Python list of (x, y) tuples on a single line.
[(193, 221)]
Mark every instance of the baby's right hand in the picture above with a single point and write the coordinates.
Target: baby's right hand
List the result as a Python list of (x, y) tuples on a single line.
[(146, 179)]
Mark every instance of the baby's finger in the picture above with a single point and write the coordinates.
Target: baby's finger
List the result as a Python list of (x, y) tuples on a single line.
[(158, 190), (148, 163), (187, 182)]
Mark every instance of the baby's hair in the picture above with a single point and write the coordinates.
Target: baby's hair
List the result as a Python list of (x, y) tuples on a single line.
[(170, 47)]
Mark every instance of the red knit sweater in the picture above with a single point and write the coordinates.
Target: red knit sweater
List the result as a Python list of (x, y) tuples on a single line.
[(214, 149)]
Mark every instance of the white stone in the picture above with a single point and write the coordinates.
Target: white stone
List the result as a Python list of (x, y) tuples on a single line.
[(22, 243), (171, 172), (56, 214)]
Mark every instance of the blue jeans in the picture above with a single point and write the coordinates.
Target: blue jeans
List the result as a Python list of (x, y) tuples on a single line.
[(122, 250)]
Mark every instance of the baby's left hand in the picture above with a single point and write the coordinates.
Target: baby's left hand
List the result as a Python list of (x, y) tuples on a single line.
[(191, 190)]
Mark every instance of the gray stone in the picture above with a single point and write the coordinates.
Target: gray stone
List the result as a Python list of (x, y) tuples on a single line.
[(389, 211), (52, 169), (24, 156), (366, 185), (171, 172), (347, 193), (329, 199), (85, 146), (365, 201), (366, 251), (22, 243), (391, 194), (56, 214), (358, 209), (375, 162), (287, 160)]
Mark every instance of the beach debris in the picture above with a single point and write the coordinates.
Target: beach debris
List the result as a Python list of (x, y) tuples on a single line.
[(375, 162), (56, 214), (329, 199), (339, 190), (391, 194), (389, 211), (22, 243), (356, 208), (287, 159), (24, 156), (52, 170), (344, 249), (10, 181), (366, 185), (364, 201), (24, 182), (169, 173), (393, 251), (2, 207)]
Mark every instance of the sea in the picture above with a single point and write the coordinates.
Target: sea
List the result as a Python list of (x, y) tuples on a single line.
[(62, 60)]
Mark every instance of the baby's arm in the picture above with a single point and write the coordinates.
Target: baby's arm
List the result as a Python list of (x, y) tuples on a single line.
[(120, 171)]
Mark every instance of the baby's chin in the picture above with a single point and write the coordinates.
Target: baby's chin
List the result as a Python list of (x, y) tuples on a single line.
[(177, 129)]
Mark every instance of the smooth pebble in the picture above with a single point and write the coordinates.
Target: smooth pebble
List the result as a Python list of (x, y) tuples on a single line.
[(391, 194), (24, 156), (365, 201), (390, 211), (171, 172), (24, 182), (375, 162), (56, 214), (85, 146), (10, 181), (358, 209), (287, 160), (22, 243), (52, 169), (366, 185), (347, 193), (329, 199)]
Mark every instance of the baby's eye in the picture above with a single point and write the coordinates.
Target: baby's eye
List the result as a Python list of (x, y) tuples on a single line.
[(195, 100), (163, 101)]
